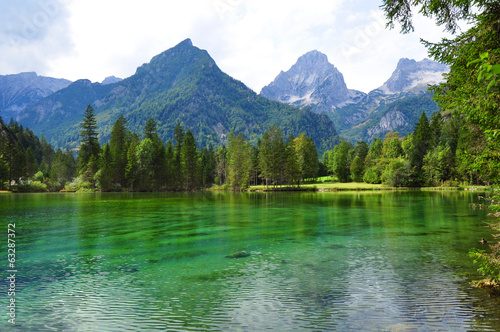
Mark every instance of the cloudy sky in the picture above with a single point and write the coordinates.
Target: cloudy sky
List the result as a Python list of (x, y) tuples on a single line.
[(251, 40)]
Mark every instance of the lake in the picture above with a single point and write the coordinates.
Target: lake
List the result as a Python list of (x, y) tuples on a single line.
[(317, 261)]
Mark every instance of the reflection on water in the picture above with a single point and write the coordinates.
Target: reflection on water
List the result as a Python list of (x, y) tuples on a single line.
[(318, 261)]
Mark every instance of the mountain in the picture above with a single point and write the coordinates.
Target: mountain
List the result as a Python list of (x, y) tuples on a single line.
[(411, 75), (20, 90), (312, 81), (182, 84), (394, 106), (111, 80)]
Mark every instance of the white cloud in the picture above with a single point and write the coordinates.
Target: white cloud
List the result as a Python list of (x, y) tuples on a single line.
[(252, 40)]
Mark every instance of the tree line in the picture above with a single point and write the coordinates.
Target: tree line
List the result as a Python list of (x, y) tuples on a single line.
[(440, 151), (133, 163)]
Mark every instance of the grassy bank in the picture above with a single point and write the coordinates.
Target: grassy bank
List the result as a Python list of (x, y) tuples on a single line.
[(325, 187), (356, 186)]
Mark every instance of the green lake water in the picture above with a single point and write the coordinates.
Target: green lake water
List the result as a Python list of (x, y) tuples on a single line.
[(382, 261)]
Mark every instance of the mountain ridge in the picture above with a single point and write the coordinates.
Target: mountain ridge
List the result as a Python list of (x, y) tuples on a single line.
[(17, 91), (182, 84), (354, 112)]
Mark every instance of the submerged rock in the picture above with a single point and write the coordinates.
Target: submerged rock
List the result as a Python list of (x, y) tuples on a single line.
[(239, 254)]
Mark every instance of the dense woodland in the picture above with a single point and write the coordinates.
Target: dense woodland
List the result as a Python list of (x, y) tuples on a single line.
[(134, 162), (439, 152)]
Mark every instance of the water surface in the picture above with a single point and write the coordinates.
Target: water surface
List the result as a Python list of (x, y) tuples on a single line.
[(318, 261)]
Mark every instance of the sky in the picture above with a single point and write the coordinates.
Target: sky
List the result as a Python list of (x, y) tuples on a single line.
[(251, 40)]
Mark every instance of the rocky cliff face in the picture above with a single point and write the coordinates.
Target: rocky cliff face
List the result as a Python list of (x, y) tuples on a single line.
[(312, 81), (411, 75), (20, 90)]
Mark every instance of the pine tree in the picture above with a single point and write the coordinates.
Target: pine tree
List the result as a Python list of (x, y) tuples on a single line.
[(189, 161), (118, 145), (105, 177), (238, 153), (277, 154), (151, 133), (18, 166), (265, 158), (170, 173), (132, 163), (89, 140), (145, 154), (31, 163), (293, 172)]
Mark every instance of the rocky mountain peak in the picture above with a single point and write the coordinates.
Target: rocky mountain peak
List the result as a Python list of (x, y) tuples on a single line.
[(310, 81), (413, 75), (111, 80)]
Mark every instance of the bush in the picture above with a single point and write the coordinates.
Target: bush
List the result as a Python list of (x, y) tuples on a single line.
[(372, 175), (397, 173), (32, 187), (38, 176), (79, 183)]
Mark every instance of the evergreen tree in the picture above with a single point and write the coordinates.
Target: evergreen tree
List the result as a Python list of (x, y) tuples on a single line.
[(145, 157), (4, 166), (31, 163), (177, 164), (132, 163), (118, 144), (18, 166), (221, 165), (238, 153), (265, 157), (293, 171), (48, 154), (277, 155), (178, 137), (170, 171), (105, 174), (189, 161), (159, 167), (89, 142)]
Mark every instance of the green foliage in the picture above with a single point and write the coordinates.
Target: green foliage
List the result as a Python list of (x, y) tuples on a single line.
[(397, 173), (89, 147), (489, 263), (239, 162), (340, 161), (118, 145), (307, 157), (132, 168), (357, 169), (189, 162), (372, 175)]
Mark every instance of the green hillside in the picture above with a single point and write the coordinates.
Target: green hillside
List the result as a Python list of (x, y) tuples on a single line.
[(183, 85)]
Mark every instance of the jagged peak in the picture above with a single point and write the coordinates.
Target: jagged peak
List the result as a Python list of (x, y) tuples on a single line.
[(313, 57)]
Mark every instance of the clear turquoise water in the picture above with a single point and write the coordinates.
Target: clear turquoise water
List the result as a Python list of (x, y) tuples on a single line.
[(318, 261)]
